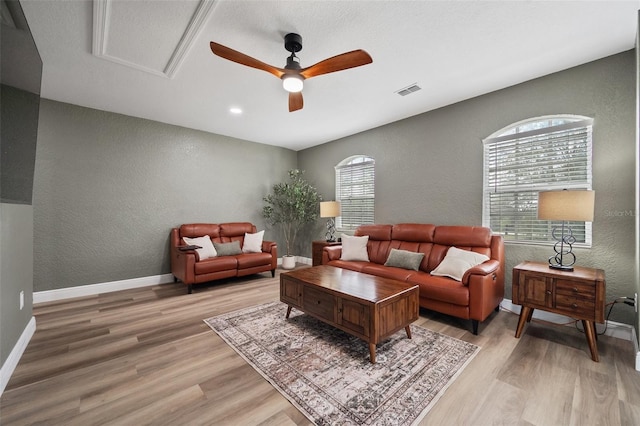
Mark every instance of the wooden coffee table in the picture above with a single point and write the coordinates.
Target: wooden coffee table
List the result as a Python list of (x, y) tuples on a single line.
[(369, 307)]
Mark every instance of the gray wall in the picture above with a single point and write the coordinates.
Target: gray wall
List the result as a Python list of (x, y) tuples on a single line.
[(429, 167), (108, 189), (20, 76)]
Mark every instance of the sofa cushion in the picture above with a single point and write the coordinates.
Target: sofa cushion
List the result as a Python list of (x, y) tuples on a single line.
[(216, 264), (207, 251), (404, 259), (463, 236), (235, 229), (192, 230), (354, 248), (251, 260), (253, 242), (228, 249), (417, 232), (441, 289), (457, 262), (387, 271)]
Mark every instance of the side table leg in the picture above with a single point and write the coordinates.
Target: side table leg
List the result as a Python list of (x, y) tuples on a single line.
[(525, 315), (288, 311), (590, 332), (372, 353)]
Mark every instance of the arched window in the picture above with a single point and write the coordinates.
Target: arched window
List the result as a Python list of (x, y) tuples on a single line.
[(539, 154), (355, 189)]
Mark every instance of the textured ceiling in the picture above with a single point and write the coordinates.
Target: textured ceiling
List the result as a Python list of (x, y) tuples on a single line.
[(151, 59)]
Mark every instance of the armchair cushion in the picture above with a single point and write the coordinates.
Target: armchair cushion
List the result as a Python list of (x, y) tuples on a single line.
[(207, 251), (457, 262)]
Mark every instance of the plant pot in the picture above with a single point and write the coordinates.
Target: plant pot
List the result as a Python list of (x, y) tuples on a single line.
[(288, 262)]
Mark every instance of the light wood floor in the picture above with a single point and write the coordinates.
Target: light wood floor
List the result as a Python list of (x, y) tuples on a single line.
[(145, 356)]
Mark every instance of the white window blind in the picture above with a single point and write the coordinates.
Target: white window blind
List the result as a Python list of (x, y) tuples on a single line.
[(547, 153), (355, 189)]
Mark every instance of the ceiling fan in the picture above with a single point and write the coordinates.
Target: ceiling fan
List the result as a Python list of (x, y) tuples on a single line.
[(292, 74)]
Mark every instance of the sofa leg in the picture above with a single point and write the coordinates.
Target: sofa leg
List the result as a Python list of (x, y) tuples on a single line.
[(175, 279), (474, 326), (273, 273), (497, 308), (189, 288)]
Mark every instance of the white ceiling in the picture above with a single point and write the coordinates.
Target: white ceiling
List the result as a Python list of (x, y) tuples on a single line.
[(151, 59)]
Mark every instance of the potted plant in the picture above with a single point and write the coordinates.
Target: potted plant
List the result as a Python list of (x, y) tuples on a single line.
[(290, 206)]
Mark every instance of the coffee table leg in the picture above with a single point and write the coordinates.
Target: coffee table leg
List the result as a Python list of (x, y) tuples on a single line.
[(408, 330), (288, 312), (372, 352)]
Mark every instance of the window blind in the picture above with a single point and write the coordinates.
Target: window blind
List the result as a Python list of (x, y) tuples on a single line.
[(355, 189), (519, 164)]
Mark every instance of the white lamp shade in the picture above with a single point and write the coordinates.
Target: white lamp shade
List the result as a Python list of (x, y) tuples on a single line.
[(329, 209), (575, 205)]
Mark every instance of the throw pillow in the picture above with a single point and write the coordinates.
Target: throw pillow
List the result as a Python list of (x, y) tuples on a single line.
[(354, 248), (457, 262), (228, 249), (404, 259), (207, 251), (253, 242)]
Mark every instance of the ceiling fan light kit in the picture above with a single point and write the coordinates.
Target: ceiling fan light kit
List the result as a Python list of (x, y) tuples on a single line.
[(292, 74)]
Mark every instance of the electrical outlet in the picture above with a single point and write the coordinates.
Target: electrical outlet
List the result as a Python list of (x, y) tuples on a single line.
[(21, 299)]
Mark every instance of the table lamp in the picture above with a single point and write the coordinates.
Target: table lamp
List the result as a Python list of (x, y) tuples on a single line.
[(565, 205), (330, 210)]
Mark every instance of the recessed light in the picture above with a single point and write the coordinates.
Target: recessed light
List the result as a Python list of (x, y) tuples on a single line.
[(235, 110)]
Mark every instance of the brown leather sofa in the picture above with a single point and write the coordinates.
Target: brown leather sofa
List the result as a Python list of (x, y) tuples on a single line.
[(188, 268), (475, 297)]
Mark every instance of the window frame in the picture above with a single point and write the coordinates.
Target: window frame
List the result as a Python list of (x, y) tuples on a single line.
[(510, 134), (367, 190)]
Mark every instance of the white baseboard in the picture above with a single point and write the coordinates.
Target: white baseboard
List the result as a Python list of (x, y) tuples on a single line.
[(634, 339), (614, 329), (93, 289), (16, 353)]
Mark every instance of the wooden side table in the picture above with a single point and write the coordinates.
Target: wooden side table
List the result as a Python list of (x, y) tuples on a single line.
[(316, 250), (579, 294)]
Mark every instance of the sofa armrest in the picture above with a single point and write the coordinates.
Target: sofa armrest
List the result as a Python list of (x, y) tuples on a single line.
[(271, 247), (330, 253), (485, 268), (182, 261)]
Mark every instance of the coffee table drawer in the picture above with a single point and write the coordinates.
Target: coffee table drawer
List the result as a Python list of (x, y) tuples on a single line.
[(319, 303), (354, 316)]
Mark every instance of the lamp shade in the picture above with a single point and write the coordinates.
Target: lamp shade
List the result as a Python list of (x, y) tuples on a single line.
[(329, 209), (575, 205)]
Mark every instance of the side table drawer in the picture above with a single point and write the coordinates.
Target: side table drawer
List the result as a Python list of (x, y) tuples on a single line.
[(574, 306), (319, 303)]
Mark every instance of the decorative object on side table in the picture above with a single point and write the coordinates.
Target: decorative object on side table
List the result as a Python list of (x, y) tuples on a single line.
[(330, 210), (565, 205), (291, 205), (579, 294)]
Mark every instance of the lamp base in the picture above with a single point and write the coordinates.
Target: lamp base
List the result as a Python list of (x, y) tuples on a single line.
[(562, 268)]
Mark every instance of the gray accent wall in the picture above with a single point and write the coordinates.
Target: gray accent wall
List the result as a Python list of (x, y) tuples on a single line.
[(429, 168), (109, 188), (20, 78)]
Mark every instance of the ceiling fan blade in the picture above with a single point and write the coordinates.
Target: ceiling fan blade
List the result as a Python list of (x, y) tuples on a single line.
[(240, 58), (295, 101), (341, 62)]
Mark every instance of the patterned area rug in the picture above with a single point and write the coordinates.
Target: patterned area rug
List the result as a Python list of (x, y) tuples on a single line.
[(327, 375)]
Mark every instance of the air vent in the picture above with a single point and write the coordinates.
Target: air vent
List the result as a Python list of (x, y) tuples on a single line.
[(409, 89)]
